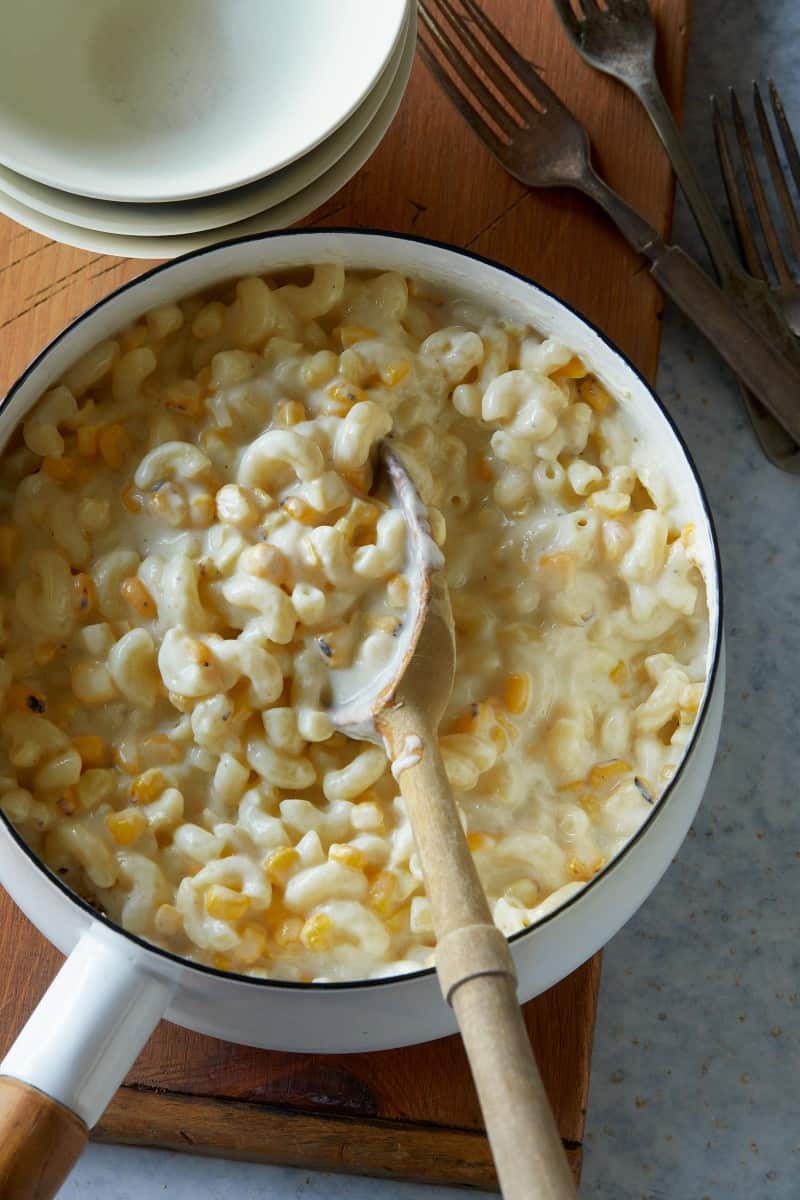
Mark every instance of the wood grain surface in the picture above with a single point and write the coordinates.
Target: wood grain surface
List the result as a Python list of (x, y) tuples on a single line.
[(409, 1113)]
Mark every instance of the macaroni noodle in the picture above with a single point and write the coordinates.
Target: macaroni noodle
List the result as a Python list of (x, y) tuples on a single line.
[(189, 543)]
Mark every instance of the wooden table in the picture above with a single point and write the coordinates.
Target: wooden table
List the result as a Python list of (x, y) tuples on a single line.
[(407, 1113)]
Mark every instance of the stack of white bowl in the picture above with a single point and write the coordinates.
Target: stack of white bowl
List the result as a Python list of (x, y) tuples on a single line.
[(149, 128)]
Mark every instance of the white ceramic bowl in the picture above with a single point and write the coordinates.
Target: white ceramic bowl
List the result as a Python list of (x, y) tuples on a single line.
[(280, 217), (207, 212), (114, 987), (154, 101)]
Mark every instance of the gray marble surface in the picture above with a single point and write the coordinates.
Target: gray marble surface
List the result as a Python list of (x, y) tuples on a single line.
[(694, 1093)]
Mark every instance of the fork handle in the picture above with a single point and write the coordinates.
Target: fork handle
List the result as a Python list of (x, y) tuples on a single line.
[(763, 363), (758, 363), (717, 241)]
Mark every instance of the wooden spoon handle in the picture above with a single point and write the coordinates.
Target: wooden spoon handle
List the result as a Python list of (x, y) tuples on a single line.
[(477, 974), (40, 1141)]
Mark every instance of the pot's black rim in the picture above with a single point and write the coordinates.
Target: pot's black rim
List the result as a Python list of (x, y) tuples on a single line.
[(383, 981)]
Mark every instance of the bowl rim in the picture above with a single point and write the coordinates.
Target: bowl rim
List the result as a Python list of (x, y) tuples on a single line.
[(717, 632), (28, 161)]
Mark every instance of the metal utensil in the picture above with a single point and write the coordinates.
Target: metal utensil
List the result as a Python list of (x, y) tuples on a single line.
[(786, 289), (402, 706), (620, 40), (543, 145)]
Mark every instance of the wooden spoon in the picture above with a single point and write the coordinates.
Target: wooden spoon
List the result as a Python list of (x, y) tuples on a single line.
[(402, 708)]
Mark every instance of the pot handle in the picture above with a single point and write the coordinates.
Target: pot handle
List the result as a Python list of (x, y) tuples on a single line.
[(70, 1058), (40, 1141)]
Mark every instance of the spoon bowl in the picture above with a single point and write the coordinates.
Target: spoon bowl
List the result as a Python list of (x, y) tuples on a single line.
[(423, 664)]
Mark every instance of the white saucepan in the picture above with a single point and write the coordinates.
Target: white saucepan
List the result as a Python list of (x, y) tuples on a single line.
[(114, 988)]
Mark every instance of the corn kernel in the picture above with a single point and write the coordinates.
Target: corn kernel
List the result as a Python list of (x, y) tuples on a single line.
[(350, 334), (359, 480), (265, 561), (84, 596), (224, 904), (113, 443), (125, 755), (184, 397), (67, 802), (388, 625), (252, 944), (484, 469), (167, 920), (9, 541), (203, 380), (239, 695), (158, 748), (130, 498), (394, 373), (126, 827), (594, 394), (499, 738), (585, 871), (478, 840), (467, 722), (617, 673), (133, 338), (280, 863), (134, 592), (574, 369), (603, 772), (516, 693), (290, 412), (148, 786), (288, 931), (300, 510), (590, 803), (202, 510), (345, 395), (382, 893), (221, 961), (23, 696), (60, 469), (687, 533), (347, 856), (92, 749), (558, 568), (87, 439), (397, 591), (45, 652), (317, 933)]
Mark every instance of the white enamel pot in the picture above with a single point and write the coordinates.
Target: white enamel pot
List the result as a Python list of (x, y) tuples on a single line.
[(114, 988)]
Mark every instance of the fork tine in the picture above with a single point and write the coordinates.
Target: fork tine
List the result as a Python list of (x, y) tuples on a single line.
[(778, 180), (569, 20), (527, 74), (758, 194), (787, 137), (470, 115), (741, 220), (503, 82), (469, 78)]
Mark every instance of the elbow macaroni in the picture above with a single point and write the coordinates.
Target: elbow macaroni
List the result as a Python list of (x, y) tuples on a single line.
[(189, 542)]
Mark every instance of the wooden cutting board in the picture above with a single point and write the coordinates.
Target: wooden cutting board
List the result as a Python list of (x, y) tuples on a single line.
[(412, 1113)]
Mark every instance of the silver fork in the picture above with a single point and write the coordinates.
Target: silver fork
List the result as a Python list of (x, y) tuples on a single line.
[(620, 40), (787, 289), (543, 145)]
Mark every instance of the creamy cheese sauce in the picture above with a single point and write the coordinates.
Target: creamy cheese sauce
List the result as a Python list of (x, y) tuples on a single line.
[(190, 548)]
